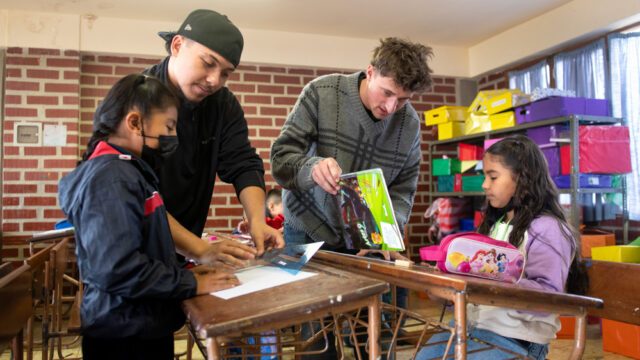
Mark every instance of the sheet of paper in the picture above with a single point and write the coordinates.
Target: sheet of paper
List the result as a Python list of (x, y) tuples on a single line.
[(260, 278)]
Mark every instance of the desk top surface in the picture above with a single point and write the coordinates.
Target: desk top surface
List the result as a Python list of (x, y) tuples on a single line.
[(476, 290), (331, 287)]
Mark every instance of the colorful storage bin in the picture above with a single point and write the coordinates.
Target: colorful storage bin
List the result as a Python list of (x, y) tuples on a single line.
[(557, 106), (495, 101), (621, 338), (603, 150), (476, 123), (616, 253), (450, 130), (591, 181), (444, 166), (472, 182), (469, 152), (552, 155), (445, 114), (543, 135), (591, 238), (502, 120), (450, 183)]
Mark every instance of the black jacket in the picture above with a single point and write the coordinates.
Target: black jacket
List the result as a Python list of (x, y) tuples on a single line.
[(126, 255), (214, 140)]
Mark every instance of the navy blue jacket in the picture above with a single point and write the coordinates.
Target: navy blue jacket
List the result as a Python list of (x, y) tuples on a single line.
[(126, 255)]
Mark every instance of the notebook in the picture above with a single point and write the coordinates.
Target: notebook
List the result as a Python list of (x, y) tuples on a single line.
[(367, 213)]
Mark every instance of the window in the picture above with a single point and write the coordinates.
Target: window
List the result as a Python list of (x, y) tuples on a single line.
[(582, 70), (536, 76)]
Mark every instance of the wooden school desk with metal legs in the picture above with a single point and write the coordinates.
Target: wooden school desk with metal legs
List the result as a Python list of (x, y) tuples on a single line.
[(331, 291), (462, 290)]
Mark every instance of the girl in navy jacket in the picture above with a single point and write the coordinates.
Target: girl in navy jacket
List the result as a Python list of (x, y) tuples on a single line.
[(126, 255)]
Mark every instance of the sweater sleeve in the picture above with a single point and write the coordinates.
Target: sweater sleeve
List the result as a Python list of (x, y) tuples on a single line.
[(114, 258), (403, 188), (239, 165), (291, 153), (549, 255)]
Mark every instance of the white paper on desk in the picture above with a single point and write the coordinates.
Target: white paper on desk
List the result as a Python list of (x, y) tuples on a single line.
[(260, 278)]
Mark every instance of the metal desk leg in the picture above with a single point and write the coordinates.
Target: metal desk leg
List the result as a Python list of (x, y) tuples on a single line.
[(213, 350), (581, 334), (374, 327), (460, 318)]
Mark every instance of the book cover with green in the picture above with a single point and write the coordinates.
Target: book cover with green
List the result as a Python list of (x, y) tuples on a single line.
[(367, 213)]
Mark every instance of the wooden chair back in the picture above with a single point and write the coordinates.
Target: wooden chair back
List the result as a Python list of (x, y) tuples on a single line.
[(15, 307)]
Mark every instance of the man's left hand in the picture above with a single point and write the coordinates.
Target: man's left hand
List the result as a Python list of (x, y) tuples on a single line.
[(265, 237)]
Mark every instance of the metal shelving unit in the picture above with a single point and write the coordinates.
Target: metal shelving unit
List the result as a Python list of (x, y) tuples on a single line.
[(574, 191)]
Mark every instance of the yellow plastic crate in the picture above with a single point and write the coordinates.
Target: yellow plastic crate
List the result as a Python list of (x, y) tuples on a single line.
[(476, 123), (617, 253), (494, 101), (445, 114), (502, 120), (450, 130)]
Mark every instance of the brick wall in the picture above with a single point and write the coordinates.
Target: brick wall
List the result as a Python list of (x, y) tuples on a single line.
[(493, 81), (51, 86)]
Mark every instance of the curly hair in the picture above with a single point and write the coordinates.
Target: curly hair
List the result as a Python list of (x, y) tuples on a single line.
[(535, 195), (405, 62)]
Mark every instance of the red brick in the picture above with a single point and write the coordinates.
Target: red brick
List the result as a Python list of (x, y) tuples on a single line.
[(60, 164), (55, 87), (272, 69), (234, 77), (10, 201), (53, 214), (219, 200), (444, 89), (41, 175), (39, 201), (257, 99), (242, 88), (68, 151), (302, 72), (433, 98), (61, 113), (46, 151), (20, 163), (12, 99), (87, 58), (87, 80), (87, 116), (51, 188), (38, 226), (285, 101), (20, 112), (43, 74), (14, 60), (7, 138), (62, 62), (42, 100), (14, 50), (451, 81), (267, 110), (270, 89), (294, 90), (72, 139), (437, 80), (259, 144), (97, 69), (9, 227), (40, 51), (126, 70), (71, 75), (229, 212), (251, 77), (75, 53), (451, 99), (86, 128), (108, 80), (22, 86), (13, 72), (321, 72), (269, 133), (498, 76), (284, 79), (259, 121), (114, 59), (19, 214), (247, 68), (253, 133), (93, 92), (307, 79), (70, 100), (11, 175), (145, 61), (279, 122), (218, 224), (88, 103)]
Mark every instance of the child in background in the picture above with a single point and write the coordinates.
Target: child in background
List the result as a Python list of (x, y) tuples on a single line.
[(273, 210), (522, 209), (126, 255)]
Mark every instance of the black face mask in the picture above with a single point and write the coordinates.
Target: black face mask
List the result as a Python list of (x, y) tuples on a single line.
[(167, 145)]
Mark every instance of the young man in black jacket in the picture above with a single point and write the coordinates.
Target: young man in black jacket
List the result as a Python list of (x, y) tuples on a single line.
[(213, 138)]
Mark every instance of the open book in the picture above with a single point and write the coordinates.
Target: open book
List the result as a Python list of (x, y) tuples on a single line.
[(367, 214)]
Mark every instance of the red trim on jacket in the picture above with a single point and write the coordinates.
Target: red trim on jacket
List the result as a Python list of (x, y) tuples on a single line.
[(104, 149), (152, 203)]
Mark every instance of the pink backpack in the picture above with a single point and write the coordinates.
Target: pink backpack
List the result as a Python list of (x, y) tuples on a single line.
[(478, 255)]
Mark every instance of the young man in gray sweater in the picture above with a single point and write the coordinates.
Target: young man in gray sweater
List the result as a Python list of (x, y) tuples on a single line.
[(346, 123)]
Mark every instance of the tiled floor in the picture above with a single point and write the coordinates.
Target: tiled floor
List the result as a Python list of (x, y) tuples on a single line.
[(560, 349)]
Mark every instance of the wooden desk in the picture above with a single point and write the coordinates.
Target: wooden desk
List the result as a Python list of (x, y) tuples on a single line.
[(617, 284), (462, 290), (331, 291)]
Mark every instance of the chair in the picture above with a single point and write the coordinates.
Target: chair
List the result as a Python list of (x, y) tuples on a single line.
[(15, 308)]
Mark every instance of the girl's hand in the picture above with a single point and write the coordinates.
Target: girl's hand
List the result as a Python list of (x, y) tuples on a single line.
[(214, 281)]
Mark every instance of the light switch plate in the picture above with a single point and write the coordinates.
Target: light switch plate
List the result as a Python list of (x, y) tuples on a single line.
[(28, 134)]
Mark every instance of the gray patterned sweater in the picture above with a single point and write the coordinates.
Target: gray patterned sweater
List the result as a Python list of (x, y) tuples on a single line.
[(330, 120)]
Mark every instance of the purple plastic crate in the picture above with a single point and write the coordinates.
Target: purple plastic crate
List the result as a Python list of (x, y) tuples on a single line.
[(552, 154), (556, 106), (585, 180), (543, 135)]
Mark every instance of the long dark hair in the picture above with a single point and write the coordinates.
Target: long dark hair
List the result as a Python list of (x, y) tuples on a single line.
[(535, 195), (136, 91)]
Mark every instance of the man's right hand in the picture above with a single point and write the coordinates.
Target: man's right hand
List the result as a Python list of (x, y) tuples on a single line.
[(228, 252), (326, 173), (214, 281)]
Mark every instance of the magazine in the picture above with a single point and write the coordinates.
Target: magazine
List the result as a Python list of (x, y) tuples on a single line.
[(367, 214)]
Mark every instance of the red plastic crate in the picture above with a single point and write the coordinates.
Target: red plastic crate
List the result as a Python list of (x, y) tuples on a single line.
[(621, 338)]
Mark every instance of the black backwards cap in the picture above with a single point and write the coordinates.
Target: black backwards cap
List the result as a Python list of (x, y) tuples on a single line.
[(212, 30)]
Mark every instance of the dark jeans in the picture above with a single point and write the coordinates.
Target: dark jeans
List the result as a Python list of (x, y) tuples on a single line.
[(128, 348)]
